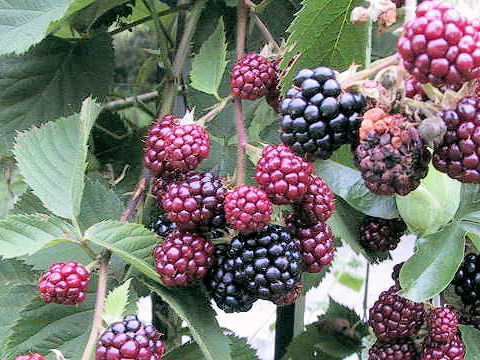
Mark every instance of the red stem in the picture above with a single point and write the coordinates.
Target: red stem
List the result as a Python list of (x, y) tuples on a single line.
[(242, 13)]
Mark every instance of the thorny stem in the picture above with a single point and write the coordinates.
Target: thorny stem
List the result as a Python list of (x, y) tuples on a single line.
[(346, 80), (264, 30), (142, 187), (242, 12), (118, 105)]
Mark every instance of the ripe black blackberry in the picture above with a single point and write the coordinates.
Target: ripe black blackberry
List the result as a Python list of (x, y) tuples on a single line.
[(458, 154), (379, 235), (394, 317), (316, 117), (130, 339), (162, 226), (267, 263), (391, 155), (222, 286), (400, 349), (467, 280)]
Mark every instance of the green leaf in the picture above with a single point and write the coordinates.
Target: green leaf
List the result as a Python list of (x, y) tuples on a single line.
[(351, 281), (25, 235), (62, 252), (345, 223), (193, 307), (349, 185), (323, 34), (116, 303), (51, 81), (43, 327), (209, 64), (471, 338), (30, 204), (24, 23), (311, 281), (10, 306), (263, 117), (15, 272), (434, 264), (240, 350), (132, 242), (438, 193), (469, 201), (12, 186), (99, 203), (52, 160)]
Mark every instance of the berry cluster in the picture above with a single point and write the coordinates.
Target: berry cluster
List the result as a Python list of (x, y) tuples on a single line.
[(440, 46), (396, 320), (130, 339), (458, 153), (317, 118), (380, 235), (391, 155), (467, 280)]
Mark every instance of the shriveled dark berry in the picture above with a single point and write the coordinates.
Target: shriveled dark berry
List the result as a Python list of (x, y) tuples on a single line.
[(379, 235)]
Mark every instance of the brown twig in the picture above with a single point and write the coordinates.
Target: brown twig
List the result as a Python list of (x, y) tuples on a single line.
[(137, 196), (242, 12)]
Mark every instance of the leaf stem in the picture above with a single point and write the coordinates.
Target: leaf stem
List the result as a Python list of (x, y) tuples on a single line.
[(365, 294), (140, 190), (242, 12), (264, 30), (128, 102), (217, 109)]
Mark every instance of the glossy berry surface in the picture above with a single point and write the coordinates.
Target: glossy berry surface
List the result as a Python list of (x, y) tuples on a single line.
[(64, 283), (248, 209), (458, 154), (284, 176), (318, 204), (379, 235), (414, 90), (155, 155), (186, 146), (252, 77), (442, 323), (30, 357), (292, 296), (452, 350), (183, 258), (393, 317), (223, 286), (130, 339), (399, 349), (162, 226), (467, 280), (440, 46), (316, 117), (391, 155), (196, 202), (267, 263)]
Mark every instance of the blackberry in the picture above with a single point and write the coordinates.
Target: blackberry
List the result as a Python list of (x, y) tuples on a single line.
[(399, 349), (318, 204), (162, 226), (221, 283), (196, 202), (64, 283), (393, 317), (316, 242), (130, 339), (458, 153), (380, 235), (248, 209), (452, 350), (186, 146), (440, 46), (161, 183), (316, 117), (30, 357), (283, 175), (467, 280), (442, 324), (155, 155), (414, 90), (252, 77), (267, 263), (391, 155)]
